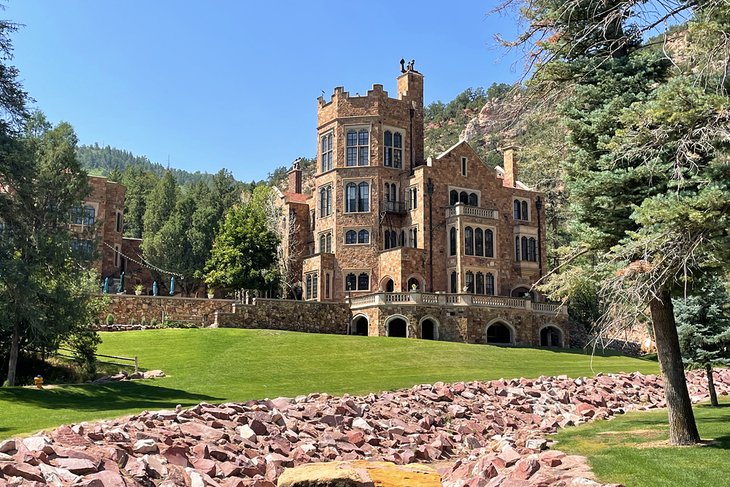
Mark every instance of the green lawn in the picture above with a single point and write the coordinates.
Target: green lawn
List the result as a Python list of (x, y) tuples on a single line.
[(632, 449), (217, 365)]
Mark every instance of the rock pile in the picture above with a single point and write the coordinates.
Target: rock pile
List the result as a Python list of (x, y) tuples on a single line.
[(502, 423)]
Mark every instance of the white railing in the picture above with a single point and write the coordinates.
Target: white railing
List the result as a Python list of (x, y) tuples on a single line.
[(466, 210), (397, 297), (499, 301), (545, 307), (430, 298)]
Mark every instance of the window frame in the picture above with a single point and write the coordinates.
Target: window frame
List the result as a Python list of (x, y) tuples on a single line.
[(390, 150), (357, 274), (362, 199), (326, 155), (359, 147), (325, 200)]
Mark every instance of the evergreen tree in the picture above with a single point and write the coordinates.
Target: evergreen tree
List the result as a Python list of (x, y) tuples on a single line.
[(703, 321)]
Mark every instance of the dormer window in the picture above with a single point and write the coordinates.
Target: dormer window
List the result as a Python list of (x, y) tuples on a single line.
[(358, 147)]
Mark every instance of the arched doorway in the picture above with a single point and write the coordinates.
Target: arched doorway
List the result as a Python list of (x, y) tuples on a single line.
[(429, 329), (414, 284), (397, 327), (499, 333), (360, 326), (551, 336), (387, 285), (522, 292)]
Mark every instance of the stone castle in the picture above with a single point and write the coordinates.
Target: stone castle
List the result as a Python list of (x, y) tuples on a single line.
[(441, 248)]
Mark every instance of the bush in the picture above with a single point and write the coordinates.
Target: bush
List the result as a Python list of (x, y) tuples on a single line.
[(132, 321), (144, 321), (110, 319), (153, 322)]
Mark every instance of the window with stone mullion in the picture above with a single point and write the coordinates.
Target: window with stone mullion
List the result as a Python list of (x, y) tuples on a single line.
[(326, 150)]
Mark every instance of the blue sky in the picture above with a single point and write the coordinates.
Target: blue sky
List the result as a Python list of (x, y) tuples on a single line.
[(234, 84)]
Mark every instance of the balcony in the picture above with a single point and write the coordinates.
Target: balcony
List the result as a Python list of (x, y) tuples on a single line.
[(448, 300), (461, 209), (393, 207)]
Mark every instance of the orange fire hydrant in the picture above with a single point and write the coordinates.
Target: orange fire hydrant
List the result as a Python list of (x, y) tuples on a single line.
[(38, 381)]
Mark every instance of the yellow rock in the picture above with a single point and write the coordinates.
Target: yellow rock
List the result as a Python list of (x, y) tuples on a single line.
[(359, 473)]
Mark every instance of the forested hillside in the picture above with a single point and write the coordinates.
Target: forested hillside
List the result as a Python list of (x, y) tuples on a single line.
[(107, 160)]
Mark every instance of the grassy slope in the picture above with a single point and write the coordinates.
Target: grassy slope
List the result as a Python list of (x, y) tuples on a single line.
[(632, 449), (234, 365)]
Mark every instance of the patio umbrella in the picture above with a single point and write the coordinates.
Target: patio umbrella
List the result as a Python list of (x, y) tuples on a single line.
[(154, 288), (172, 286), (106, 285), (121, 283)]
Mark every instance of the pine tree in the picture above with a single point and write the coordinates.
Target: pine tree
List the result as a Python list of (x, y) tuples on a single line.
[(703, 321)]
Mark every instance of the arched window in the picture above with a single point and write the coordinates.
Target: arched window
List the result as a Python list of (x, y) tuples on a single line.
[(468, 241), (322, 243), (387, 192), (397, 150), (517, 211), (363, 282), (489, 287), (393, 193), (386, 240), (532, 250), (413, 284), (464, 198), (524, 248), (351, 237), (473, 200), (402, 242), (480, 283), (479, 242), (525, 215), (453, 282), (452, 241), (489, 243), (363, 237), (393, 143), (469, 281), (351, 197), (517, 248), (363, 197), (351, 282), (453, 197)]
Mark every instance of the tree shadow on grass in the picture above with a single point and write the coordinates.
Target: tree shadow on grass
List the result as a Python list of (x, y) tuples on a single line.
[(104, 397)]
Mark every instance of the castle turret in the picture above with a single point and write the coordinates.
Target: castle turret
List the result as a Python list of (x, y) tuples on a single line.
[(410, 88)]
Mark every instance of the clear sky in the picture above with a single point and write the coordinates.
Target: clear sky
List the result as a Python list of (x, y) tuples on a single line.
[(234, 84)]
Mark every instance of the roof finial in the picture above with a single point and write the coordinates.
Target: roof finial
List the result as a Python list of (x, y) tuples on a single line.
[(402, 65)]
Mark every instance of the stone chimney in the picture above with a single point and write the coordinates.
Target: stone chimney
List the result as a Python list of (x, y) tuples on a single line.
[(510, 166), (295, 178)]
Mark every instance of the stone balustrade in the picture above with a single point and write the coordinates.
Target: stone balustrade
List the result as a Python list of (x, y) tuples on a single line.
[(461, 209)]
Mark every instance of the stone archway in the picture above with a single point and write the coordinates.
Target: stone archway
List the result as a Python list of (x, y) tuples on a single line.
[(522, 292), (429, 329), (551, 336), (396, 326), (359, 325), (500, 333), (387, 285)]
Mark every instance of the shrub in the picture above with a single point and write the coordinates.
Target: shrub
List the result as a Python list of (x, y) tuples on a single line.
[(144, 321), (132, 321), (153, 322), (110, 319)]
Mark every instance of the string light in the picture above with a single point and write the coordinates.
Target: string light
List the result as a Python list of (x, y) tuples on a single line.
[(145, 264)]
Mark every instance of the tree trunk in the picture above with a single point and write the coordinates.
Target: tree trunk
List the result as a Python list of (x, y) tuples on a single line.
[(682, 426), (711, 386), (13, 362)]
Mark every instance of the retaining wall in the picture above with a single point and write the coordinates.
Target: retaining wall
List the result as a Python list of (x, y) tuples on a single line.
[(125, 308)]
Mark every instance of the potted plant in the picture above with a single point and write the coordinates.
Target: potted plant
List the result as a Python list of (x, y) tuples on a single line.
[(211, 293), (138, 289)]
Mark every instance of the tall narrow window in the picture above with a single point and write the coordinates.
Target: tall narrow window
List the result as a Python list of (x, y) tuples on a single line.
[(524, 249), (388, 144), (452, 241), (525, 215), (489, 284), (397, 150), (351, 197), (328, 243), (363, 197), (322, 243), (326, 151), (309, 286), (463, 166), (413, 237), (532, 250), (453, 197), (412, 198), (119, 221), (517, 210), (468, 241), (453, 282), (473, 199), (393, 193), (325, 201), (327, 286), (386, 240), (480, 283), (315, 286), (488, 243), (464, 197), (358, 147), (517, 248), (469, 278), (479, 242)]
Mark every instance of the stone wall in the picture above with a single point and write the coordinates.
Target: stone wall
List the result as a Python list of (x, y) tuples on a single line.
[(125, 308), (278, 314)]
